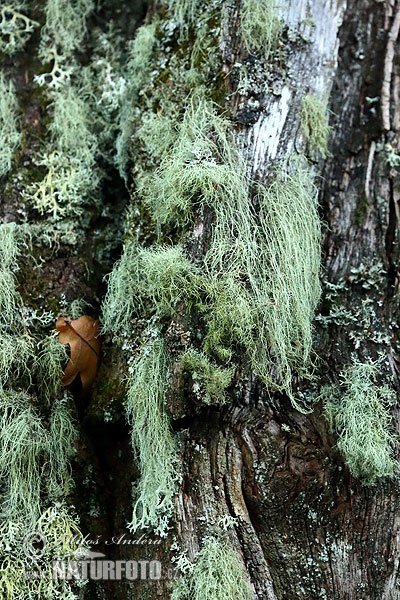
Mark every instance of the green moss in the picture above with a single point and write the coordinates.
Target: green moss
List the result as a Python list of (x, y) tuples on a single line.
[(209, 380), (9, 130), (359, 412), (152, 440), (260, 27), (217, 574), (314, 122)]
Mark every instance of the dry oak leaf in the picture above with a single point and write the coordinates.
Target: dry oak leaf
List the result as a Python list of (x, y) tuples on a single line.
[(82, 335)]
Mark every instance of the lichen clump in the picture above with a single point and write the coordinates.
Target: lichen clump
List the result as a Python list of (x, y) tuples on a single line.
[(217, 573), (70, 158), (361, 418), (246, 297), (37, 436), (15, 27), (258, 285), (260, 27), (314, 123), (152, 440), (209, 380), (9, 129)]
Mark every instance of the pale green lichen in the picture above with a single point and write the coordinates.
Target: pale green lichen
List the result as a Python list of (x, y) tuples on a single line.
[(314, 123), (68, 183), (217, 574), (65, 26), (61, 36), (10, 299), (16, 355), (137, 73), (9, 130), (26, 445), (22, 444), (198, 170), (70, 126), (34, 453), (21, 558), (260, 27), (48, 364), (359, 413), (259, 286), (61, 439), (209, 381), (153, 441), (70, 158), (291, 256), (270, 312), (186, 12), (15, 27), (157, 277)]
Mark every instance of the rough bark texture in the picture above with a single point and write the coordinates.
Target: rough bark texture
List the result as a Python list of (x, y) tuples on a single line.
[(304, 528)]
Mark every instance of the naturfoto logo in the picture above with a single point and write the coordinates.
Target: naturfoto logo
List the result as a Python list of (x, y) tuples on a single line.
[(84, 564)]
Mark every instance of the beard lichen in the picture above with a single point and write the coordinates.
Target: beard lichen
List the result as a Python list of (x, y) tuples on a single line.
[(249, 295), (37, 433), (258, 285), (216, 573), (152, 440), (260, 27), (314, 123), (9, 128), (359, 412)]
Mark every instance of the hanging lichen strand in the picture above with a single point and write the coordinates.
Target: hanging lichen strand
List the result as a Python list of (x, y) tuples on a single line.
[(9, 131), (152, 440), (314, 123)]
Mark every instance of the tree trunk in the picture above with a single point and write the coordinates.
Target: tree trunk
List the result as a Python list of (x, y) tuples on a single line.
[(275, 485)]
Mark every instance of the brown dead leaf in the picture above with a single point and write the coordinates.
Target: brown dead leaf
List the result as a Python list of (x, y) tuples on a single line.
[(82, 335)]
